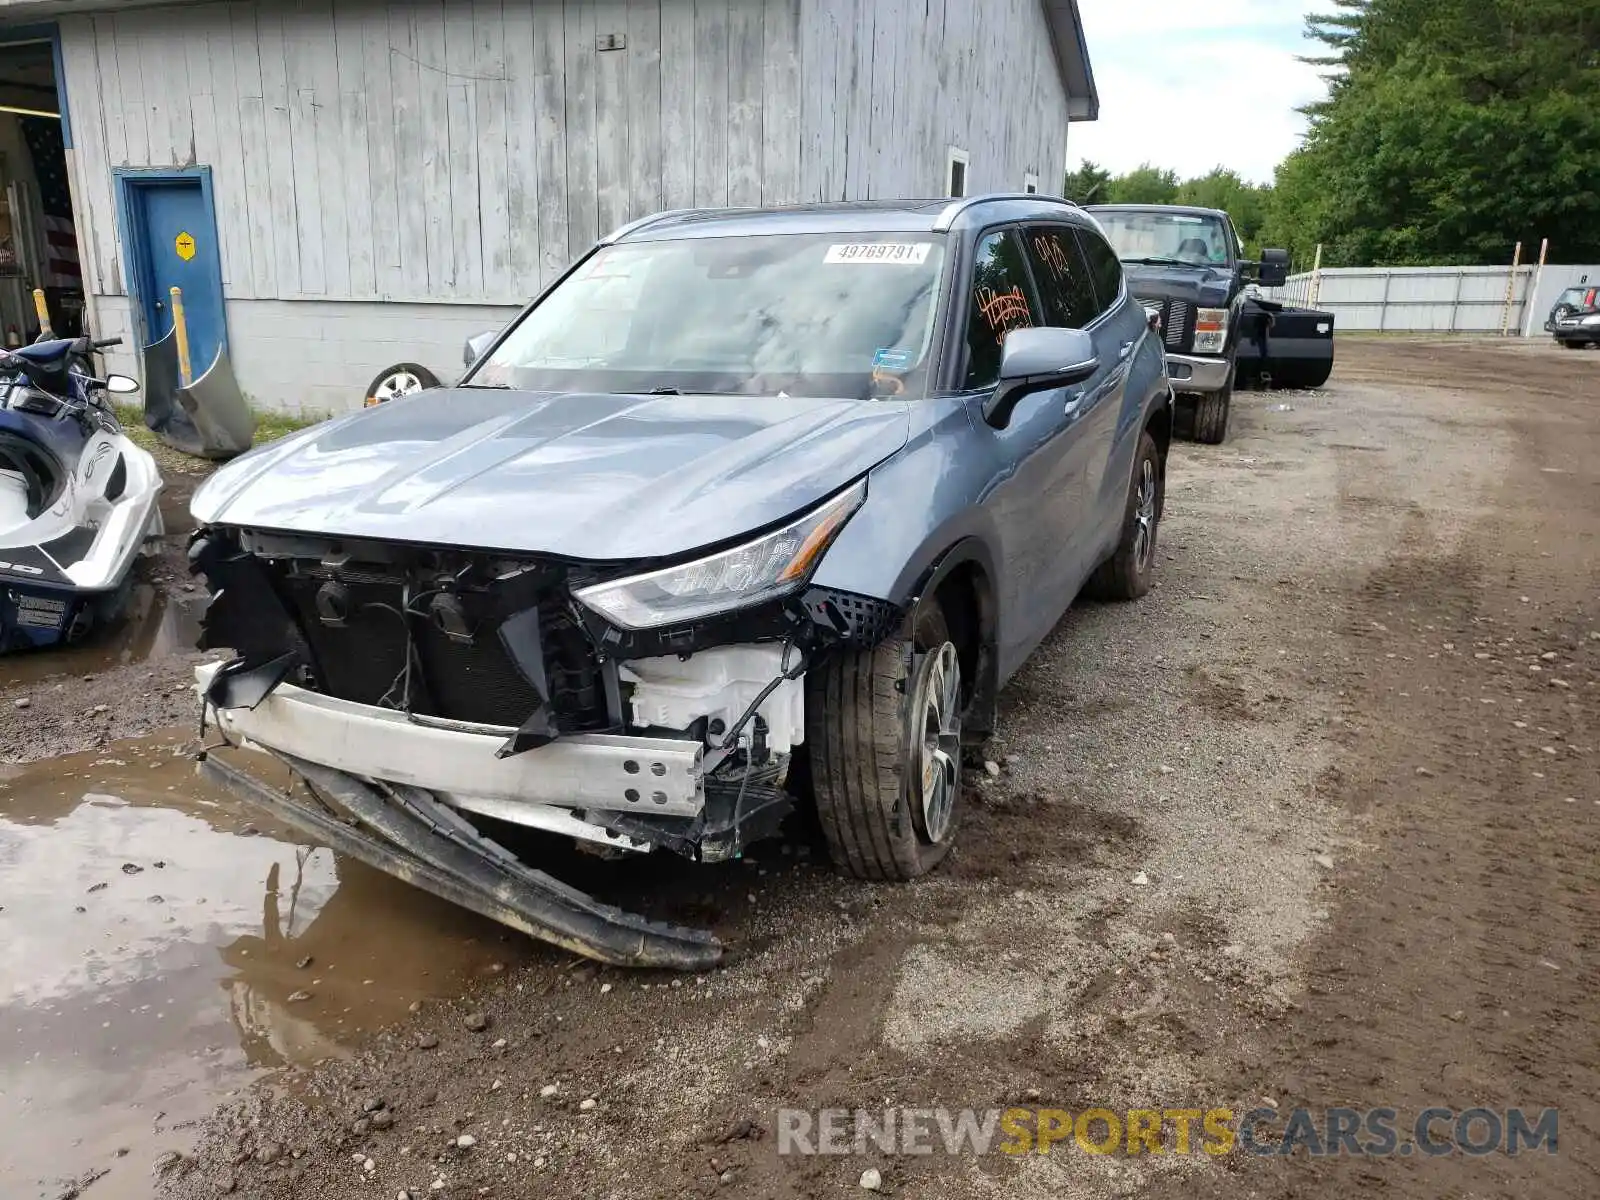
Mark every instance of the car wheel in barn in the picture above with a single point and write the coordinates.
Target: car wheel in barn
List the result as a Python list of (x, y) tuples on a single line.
[(883, 728), (1126, 575), (1211, 413), (399, 380), (1566, 345)]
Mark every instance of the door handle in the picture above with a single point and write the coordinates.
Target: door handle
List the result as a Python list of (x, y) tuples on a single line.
[(1127, 349), (160, 307), (1073, 404)]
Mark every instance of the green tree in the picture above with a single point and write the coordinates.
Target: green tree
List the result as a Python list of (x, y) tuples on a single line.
[(1086, 185), (1452, 129), (1146, 185)]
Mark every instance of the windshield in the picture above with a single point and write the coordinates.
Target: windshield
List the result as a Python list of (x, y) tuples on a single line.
[(1176, 237), (1577, 297), (793, 314)]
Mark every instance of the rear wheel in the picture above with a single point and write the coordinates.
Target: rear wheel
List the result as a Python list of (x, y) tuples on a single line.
[(884, 731), (1572, 345), (1127, 574)]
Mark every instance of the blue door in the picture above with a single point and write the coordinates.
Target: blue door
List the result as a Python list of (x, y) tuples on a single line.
[(173, 243)]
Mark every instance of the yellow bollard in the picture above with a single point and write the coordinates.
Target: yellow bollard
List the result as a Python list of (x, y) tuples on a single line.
[(43, 310), (181, 330)]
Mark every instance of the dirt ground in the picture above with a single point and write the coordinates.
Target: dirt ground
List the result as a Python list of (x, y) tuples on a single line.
[(1315, 824)]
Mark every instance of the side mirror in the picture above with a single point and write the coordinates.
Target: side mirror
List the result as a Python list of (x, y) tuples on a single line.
[(475, 347), (1274, 268), (121, 384), (1035, 360)]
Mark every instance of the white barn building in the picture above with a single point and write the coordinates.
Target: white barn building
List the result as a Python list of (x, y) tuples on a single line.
[(339, 185)]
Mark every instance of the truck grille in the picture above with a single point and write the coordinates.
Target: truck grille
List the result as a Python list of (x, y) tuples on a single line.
[(363, 660), (1177, 324)]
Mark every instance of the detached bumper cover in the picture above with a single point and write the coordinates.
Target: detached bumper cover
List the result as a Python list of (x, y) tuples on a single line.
[(425, 844), (391, 778)]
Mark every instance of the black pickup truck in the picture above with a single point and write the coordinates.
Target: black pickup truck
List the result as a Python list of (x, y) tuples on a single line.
[(1187, 267)]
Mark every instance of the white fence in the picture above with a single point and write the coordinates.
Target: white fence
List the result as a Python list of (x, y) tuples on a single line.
[(1435, 299)]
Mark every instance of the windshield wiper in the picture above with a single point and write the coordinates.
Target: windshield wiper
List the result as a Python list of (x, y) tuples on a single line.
[(663, 391), (1165, 262), (489, 387)]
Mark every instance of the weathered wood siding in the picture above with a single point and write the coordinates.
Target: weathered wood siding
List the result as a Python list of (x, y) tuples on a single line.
[(427, 150), (468, 150), (888, 86)]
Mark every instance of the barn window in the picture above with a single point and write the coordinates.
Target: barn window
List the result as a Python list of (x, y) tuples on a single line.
[(956, 178), (1030, 183)]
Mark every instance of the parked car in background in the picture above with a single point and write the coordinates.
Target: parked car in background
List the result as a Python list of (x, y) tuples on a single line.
[(750, 510), (1574, 321), (1187, 267), (399, 380)]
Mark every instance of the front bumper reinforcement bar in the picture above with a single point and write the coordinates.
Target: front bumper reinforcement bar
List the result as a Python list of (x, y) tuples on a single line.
[(416, 838)]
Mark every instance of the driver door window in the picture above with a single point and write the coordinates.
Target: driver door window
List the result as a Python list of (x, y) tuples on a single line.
[(998, 302)]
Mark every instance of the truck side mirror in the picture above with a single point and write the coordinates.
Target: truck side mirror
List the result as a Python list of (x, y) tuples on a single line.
[(1274, 268)]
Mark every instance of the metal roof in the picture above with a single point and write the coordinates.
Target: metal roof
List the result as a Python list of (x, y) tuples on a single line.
[(1189, 210)]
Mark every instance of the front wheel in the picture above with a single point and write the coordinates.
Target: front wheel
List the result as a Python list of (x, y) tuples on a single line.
[(884, 731), (1211, 412)]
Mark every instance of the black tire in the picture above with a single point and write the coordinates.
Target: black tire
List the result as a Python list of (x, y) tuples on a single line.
[(1127, 574), (1211, 412), (377, 393), (867, 769), (1565, 345)]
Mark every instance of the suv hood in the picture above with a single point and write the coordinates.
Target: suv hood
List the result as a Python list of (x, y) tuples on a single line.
[(598, 477), (1205, 287)]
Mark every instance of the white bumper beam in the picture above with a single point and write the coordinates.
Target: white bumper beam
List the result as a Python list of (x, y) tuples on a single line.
[(590, 771)]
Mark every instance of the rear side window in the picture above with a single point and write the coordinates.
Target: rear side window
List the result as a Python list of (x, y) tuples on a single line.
[(1066, 290), (998, 303), (1103, 265)]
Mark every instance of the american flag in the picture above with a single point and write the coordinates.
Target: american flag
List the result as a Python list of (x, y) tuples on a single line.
[(43, 136)]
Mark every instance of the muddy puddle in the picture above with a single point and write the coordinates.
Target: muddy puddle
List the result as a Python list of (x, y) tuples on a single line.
[(153, 931), (155, 624)]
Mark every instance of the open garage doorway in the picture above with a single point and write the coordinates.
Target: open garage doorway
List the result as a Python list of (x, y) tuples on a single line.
[(38, 225)]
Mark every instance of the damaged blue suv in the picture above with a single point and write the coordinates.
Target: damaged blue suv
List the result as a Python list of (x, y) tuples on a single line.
[(749, 510)]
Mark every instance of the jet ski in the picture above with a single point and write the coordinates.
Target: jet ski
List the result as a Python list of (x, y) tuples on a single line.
[(78, 500)]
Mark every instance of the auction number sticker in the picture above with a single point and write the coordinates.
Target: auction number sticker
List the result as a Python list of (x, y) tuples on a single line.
[(913, 253)]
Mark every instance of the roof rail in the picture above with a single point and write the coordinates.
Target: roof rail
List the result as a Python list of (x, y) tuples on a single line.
[(622, 231), (955, 208)]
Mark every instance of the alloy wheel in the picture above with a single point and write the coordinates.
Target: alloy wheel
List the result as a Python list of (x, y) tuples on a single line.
[(937, 763), (1144, 516), (400, 383)]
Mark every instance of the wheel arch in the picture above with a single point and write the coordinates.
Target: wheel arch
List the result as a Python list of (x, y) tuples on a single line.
[(962, 581), (1159, 426)]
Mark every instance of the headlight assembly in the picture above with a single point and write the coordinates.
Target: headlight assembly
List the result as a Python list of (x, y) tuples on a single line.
[(773, 565), (1210, 330)]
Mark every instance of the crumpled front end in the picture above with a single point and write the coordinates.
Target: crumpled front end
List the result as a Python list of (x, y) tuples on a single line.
[(425, 694)]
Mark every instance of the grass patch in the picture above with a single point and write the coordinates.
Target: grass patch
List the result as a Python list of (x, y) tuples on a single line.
[(270, 426)]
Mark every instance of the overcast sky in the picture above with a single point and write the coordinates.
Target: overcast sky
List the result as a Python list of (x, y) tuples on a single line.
[(1193, 85)]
